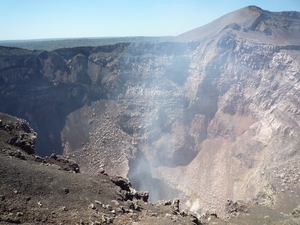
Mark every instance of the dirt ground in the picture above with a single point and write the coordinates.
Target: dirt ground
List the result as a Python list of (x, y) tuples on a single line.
[(51, 190)]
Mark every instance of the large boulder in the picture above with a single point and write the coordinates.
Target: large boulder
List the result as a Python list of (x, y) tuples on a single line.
[(17, 132), (296, 212)]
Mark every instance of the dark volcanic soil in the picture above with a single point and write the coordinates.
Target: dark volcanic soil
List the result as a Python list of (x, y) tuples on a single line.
[(211, 115), (51, 190), (42, 193)]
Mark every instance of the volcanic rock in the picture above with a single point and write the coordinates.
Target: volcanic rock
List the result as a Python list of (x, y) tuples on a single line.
[(17, 132), (211, 114), (32, 192), (296, 212)]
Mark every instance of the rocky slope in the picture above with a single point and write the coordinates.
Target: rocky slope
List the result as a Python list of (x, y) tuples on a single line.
[(210, 115), (51, 190)]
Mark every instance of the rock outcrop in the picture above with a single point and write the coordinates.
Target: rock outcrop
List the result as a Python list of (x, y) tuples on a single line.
[(296, 212), (16, 132), (51, 190), (210, 115)]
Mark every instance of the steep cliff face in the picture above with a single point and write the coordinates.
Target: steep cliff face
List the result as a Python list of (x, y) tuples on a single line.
[(209, 119)]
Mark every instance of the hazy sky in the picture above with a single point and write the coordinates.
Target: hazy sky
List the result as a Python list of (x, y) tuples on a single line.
[(35, 19)]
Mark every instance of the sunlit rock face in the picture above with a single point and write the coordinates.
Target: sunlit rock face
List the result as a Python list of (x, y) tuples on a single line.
[(210, 115)]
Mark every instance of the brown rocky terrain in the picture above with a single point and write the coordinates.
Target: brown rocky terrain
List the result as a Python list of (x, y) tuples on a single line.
[(210, 115), (51, 190)]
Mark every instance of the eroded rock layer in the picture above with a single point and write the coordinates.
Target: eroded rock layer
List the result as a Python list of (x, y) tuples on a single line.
[(210, 115)]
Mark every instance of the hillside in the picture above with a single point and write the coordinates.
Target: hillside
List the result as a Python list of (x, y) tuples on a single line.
[(211, 115), (252, 23), (51, 190)]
